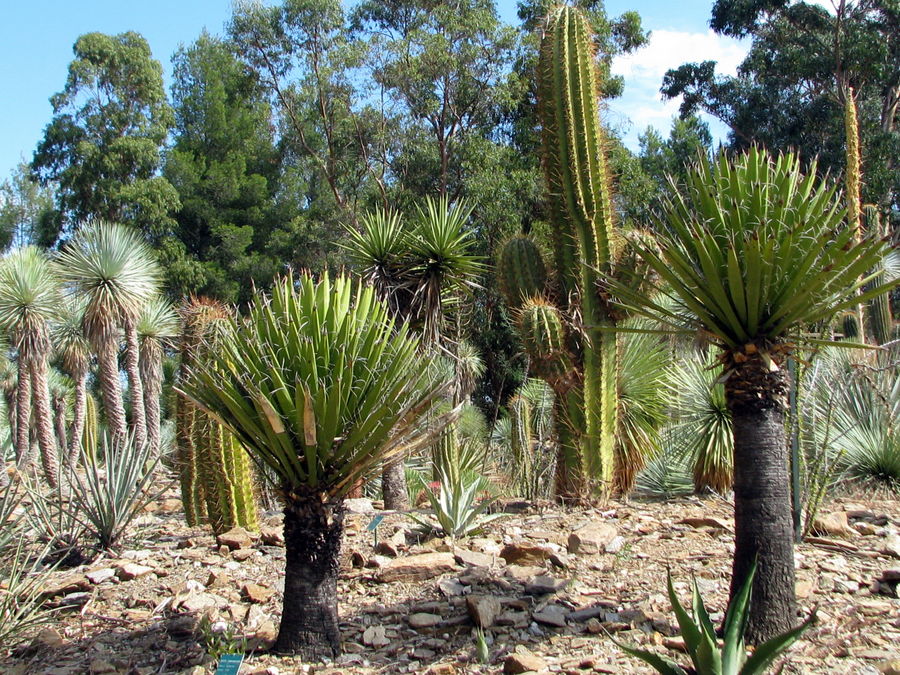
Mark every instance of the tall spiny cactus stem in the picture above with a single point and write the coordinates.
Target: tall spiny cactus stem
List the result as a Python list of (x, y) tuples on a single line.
[(521, 443), (521, 272), (579, 184)]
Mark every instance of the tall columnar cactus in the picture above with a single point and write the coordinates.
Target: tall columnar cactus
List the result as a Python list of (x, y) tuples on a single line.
[(582, 219), (216, 480)]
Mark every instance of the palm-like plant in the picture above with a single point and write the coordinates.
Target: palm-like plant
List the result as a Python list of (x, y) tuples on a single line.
[(702, 431), (157, 325), (75, 353), (756, 252), (29, 301), (319, 385), (114, 269)]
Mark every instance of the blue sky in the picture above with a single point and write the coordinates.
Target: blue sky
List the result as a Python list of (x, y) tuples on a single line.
[(36, 38)]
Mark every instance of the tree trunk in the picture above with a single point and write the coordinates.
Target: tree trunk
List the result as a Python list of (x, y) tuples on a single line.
[(79, 412), (111, 390), (43, 414), (762, 507), (135, 386), (393, 485), (23, 417), (151, 375), (59, 420), (312, 534)]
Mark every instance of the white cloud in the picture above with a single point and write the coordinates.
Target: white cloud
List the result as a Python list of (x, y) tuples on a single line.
[(642, 104)]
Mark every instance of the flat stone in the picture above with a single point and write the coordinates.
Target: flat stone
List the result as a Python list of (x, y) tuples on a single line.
[(69, 584), (375, 636), (483, 609), (130, 571), (891, 546), (706, 521), (243, 554), (256, 593), (199, 602), (523, 662), (473, 558), (272, 536), (99, 667), (591, 539), (833, 524), (424, 620), (525, 553), (418, 567), (101, 575), (523, 573), (891, 667), (544, 584), (217, 579), (235, 538), (50, 638), (359, 506), (551, 615)]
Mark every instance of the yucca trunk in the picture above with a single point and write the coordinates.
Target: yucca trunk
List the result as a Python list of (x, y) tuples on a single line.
[(312, 535), (59, 421), (43, 413), (110, 388), (393, 485), (23, 417), (135, 385), (151, 376), (79, 414), (763, 523)]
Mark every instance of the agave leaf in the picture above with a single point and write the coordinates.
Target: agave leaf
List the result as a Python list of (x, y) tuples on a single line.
[(767, 652), (663, 665)]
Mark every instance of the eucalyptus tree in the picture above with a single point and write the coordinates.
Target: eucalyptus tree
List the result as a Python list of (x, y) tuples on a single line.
[(30, 295), (115, 271), (754, 253), (157, 326), (319, 384), (74, 352)]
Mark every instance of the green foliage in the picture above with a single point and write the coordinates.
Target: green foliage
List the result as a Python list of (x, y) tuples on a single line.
[(114, 489), (26, 211), (313, 363), (460, 507), (219, 638), (667, 473), (102, 146), (746, 263), (702, 426), (22, 598), (702, 644), (225, 168)]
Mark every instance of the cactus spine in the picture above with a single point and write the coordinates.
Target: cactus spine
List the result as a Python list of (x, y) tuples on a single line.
[(216, 480), (579, 194)]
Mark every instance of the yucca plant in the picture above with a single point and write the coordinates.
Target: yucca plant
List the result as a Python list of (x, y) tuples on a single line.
[(74, 352), (702, 643), (113, 490), (30, 298), (702, 427), (319, 384), (666, 473), (21, 595), (157, 326), (113, 269), (756, 253)]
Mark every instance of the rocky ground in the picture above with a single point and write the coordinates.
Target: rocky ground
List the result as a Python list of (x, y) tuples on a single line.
[(546, 583)]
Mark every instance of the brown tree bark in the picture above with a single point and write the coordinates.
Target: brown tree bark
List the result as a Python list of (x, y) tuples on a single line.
[(151, 376), (757, 398), (135, 385), (43, 414), (393, 485), (79, 412), (312, 534), (110, 389), (23, 418)]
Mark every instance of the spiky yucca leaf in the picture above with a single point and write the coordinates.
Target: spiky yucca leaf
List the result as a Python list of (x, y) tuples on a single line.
[(318, 383)]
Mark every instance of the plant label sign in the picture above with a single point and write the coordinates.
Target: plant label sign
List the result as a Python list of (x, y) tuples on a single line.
[(230, 664)]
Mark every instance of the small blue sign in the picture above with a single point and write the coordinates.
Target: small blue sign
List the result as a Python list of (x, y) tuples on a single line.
[(376, 521), (230, 664)]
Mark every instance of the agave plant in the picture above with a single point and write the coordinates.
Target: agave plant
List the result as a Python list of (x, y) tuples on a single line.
[(702, 643), (319, 384), (756, 253), (460, 505)]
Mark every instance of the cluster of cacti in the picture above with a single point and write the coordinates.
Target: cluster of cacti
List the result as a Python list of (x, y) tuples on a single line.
[(563, 321), (216, 478)]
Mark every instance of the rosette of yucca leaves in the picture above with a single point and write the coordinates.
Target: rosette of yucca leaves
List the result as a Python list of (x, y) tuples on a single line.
[(319, 384)]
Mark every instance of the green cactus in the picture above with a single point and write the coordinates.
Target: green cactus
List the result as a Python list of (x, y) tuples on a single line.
[(216, 479), (584, 236), (521, 272)]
